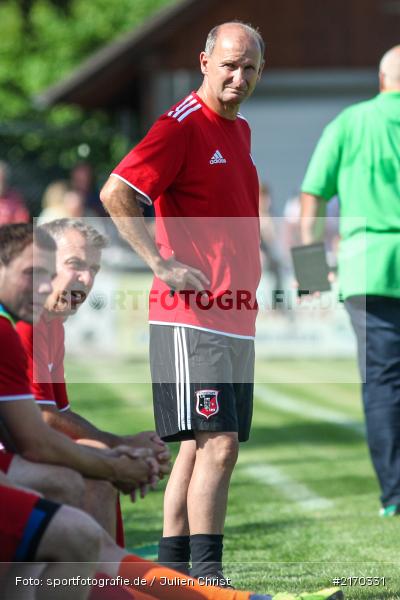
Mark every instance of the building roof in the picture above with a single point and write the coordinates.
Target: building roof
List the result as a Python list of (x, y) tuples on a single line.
[(300, 34)]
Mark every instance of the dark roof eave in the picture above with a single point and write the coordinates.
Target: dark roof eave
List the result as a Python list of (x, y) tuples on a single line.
[(153, 30)]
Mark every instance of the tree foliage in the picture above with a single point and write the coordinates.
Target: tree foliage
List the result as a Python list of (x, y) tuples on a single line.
[(41, 42)]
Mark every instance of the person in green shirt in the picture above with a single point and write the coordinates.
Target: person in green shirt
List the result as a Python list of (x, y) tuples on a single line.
[(358, 159)]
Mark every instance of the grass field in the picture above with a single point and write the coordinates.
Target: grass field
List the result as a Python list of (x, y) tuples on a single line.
[(303, 505)]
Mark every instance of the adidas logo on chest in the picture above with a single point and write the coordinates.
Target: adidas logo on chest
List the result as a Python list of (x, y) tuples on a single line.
[(217, 158)]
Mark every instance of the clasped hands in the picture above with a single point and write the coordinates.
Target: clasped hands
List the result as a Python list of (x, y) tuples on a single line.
[(149, 460)]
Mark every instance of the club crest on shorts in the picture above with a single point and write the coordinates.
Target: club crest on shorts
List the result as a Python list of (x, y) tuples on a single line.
[(207, 403)]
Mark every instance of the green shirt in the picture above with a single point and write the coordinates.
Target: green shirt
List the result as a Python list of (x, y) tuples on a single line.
[(358, 159)]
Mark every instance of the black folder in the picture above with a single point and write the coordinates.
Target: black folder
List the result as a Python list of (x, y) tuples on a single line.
[(311, 268)]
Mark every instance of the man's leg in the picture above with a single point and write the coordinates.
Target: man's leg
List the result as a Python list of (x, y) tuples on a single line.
[(376, 322), (35, 529), (197, 494), (174, 548), (171, 420), (175, 498), (100, 501), (58, 484), (216, 456), (63, 485), (72, 541), (183, 407), (165, 584)]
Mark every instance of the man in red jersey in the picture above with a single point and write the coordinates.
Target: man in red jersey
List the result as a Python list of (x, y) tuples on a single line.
[(195, 165), (78, 258)]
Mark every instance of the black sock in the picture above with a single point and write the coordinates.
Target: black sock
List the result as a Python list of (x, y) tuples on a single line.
[(206, 551), (174, 552)]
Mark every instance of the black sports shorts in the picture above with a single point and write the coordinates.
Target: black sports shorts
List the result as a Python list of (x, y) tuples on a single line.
[(202, 381)]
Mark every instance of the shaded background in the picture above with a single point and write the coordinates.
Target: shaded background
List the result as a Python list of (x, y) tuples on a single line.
[(85, 80)]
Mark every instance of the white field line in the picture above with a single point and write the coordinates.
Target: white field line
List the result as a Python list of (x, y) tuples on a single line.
[(291, 489), (285, 403), (294, 491)]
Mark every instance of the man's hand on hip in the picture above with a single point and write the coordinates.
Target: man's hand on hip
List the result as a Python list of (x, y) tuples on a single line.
[(179, 276)]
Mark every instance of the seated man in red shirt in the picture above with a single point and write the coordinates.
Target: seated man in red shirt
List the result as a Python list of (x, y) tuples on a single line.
[(26, 267), (32, 528), (78, 260)]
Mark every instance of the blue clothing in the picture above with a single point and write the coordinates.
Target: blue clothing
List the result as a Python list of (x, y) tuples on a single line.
[(376, 322)]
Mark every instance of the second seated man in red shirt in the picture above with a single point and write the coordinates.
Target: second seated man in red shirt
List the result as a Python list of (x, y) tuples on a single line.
[(78, 259)]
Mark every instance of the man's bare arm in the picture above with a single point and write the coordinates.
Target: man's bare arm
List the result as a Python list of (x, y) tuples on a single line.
[(74, 425), (38, 442), (312, 218), (77, 427), (122, 203)]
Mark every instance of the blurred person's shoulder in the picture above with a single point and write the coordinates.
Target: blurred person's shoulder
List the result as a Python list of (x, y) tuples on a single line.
[(354, 112)]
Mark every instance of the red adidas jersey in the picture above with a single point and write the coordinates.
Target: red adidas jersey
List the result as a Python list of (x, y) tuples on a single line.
[(197, 168), (14, 384), (44, 344)]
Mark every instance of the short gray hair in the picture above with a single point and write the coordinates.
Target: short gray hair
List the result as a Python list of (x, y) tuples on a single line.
[(213, 34), (389, 66), (57, 228)]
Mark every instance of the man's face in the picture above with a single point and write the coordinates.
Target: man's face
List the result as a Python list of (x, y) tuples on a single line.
[(26, 282), (77, 264), (234, 67)]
